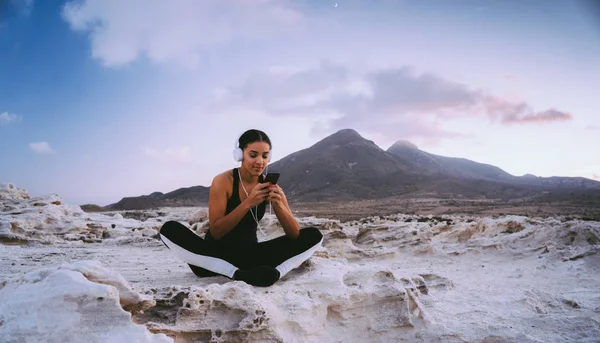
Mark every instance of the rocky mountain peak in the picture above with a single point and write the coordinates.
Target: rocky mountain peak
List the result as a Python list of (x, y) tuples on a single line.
[(403, 144)]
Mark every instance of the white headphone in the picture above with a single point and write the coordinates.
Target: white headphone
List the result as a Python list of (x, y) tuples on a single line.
[(238, 154)]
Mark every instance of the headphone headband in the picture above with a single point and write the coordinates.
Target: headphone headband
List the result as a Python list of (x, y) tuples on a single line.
[(238, 154)]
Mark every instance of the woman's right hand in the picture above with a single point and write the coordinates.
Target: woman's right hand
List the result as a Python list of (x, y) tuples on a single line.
[(258, 194)]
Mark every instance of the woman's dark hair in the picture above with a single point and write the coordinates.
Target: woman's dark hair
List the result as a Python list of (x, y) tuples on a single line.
[(252, 136)]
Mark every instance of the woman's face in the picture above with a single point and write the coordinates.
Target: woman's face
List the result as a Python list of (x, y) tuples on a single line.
[(256, 157)]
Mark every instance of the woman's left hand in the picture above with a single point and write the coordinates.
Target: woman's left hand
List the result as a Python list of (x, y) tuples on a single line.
[(283, 212), (276, 195)]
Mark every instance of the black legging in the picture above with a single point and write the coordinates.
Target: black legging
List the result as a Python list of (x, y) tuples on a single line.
[(207, 259)]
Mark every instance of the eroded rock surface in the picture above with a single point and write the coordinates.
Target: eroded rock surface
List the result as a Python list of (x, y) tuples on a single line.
[(47, 220), (82, 301), (105, 277)]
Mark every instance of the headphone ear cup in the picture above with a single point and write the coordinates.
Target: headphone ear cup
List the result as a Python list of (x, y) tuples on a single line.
[(238, 154)]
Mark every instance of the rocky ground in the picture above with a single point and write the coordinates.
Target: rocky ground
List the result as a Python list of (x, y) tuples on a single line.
[(564, 207), (72, 276)]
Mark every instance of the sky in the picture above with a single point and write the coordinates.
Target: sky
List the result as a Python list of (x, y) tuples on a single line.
[(104, 99)]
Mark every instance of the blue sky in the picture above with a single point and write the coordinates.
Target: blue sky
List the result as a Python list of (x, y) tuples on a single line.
[(101, 99)]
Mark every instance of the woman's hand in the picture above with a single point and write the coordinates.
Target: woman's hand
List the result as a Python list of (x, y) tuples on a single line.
[(283, 211), (258, 194), (276, 196)]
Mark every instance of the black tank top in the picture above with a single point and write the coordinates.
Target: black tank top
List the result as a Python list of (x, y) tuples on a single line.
[(245, 231)]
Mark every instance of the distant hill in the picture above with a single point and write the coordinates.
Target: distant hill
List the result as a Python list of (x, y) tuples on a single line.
[(430, 164), (426, 163), (345, 166), (188, 196), (93, 208)]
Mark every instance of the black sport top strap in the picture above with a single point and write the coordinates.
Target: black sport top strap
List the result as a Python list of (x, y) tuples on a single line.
[(235, 194)]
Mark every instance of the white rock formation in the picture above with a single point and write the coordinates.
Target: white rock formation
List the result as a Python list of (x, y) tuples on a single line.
[(379, 279), (8, 192), (48, 220), (79, 302)]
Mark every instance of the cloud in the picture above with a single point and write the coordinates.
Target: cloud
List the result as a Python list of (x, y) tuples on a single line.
[(41, 147), (521, 113), (545, 116), (7, 118), (180, 155), (389, 100), (179, 31), (592, 127)]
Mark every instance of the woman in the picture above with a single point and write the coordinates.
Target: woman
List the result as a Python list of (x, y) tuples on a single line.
[(237, 202)]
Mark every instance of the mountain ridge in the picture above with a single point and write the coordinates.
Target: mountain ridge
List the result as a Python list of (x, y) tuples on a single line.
[(345, 166)]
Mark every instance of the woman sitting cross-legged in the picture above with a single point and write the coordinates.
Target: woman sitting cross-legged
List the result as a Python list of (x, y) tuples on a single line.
[(237, 202)]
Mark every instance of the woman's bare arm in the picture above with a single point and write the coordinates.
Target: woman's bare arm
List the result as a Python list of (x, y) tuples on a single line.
[(219, 223)]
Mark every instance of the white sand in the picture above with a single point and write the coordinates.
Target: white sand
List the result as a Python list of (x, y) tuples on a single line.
[(70, 276)]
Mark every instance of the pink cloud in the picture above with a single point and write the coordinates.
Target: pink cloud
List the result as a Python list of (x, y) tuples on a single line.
[(385, 101), (541, 117), (521, 113)]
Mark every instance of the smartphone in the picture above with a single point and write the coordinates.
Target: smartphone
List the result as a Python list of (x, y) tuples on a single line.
[(272, 178)]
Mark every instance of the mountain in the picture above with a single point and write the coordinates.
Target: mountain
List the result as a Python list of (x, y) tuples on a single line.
[(189, 196), (462, 168), (345, 166), (427, 163)]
